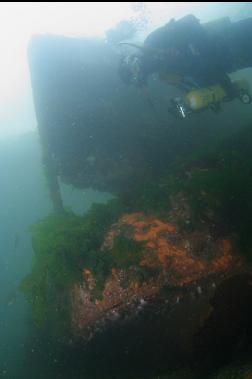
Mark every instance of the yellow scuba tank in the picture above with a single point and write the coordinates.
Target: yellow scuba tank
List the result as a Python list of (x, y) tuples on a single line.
[(204, 97), (209, 97)]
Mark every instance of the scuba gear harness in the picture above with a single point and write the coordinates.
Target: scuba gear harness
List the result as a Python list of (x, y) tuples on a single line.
[(197, 99)]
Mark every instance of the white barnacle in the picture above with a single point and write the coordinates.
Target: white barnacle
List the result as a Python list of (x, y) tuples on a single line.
[(199, 290), (143, 302), (187, 244), (114, 315)]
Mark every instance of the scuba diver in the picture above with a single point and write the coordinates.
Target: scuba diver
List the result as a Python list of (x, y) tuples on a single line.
[(193, 56)]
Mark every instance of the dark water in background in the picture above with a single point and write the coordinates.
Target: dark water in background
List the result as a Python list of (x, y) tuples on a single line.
[(23, 200)]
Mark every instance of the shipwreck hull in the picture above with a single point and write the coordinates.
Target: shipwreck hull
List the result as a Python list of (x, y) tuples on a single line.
[(201, 329), (158, 277), (172, 318)]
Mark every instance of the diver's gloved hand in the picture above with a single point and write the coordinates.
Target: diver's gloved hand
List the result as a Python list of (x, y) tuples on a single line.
[(178, 108)]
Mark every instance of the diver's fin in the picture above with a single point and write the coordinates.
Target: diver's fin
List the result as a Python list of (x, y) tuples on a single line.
[(145, 49), (131, 44)]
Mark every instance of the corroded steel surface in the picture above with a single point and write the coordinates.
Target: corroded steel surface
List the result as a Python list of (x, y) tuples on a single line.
[(185, 261)]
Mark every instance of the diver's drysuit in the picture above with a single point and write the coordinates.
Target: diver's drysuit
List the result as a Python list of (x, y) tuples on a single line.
[(187, 49)]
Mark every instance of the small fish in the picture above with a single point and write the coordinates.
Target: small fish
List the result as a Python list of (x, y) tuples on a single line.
[(16, 241), (10, 303), (10, 300), (91, 159)]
